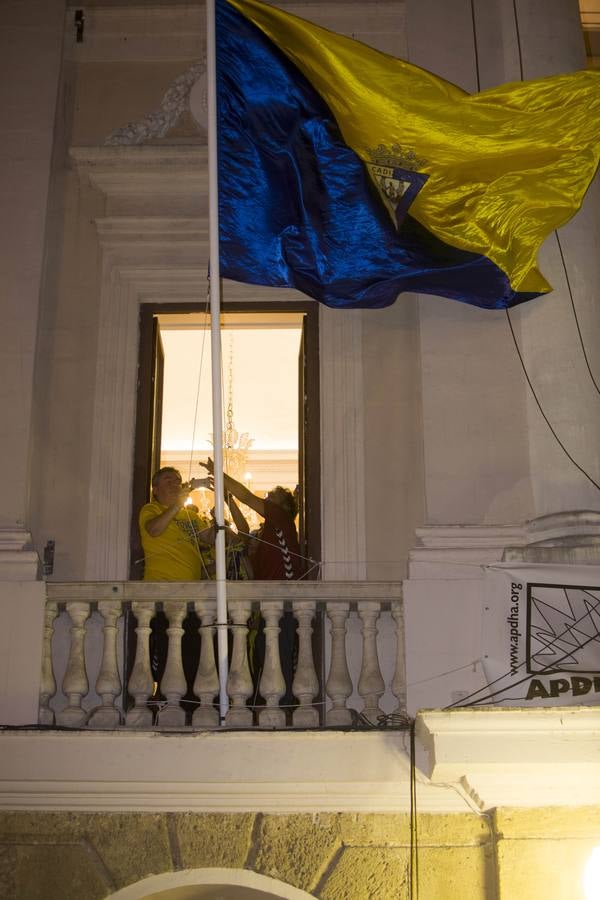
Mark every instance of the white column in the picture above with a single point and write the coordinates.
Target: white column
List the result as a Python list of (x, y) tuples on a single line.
[(339, 683), (272, 684), (306, 685), (141, 681), (48, 681), (370, 684), (239, 684), (342, 445), (108, 684), (206, 684), (29, 73), (75, 683), (399, 680), (173, 684)]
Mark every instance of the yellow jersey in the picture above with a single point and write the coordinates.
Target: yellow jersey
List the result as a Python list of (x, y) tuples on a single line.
[(176, 554)]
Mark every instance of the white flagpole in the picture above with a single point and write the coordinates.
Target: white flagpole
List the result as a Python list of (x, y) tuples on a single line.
[(215, 343)]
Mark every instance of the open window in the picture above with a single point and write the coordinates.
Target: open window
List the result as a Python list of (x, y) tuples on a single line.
[(270, 371)]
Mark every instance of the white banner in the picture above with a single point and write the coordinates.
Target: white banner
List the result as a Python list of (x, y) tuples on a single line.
[(541, 636)]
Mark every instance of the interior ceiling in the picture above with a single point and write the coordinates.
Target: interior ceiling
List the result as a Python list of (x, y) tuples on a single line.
[(262, 350)]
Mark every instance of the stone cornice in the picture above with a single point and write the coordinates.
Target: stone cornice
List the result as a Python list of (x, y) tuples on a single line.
[(238, 772), (471, 759), (515, 757), (252, 591)]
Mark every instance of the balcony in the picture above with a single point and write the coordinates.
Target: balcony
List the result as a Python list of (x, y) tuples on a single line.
[(110, 739), (100, 667)]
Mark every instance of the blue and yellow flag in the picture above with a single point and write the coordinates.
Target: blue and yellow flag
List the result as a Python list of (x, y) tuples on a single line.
[(353, 176)]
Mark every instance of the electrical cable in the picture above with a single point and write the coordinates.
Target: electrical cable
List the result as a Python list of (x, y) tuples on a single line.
[(414, 836), (539, 406), (518, 35), (575, 316), (475, 48)]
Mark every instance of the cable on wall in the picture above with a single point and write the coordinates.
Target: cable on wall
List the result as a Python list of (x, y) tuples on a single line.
[(539, 406), (575, 316), (414, 836)]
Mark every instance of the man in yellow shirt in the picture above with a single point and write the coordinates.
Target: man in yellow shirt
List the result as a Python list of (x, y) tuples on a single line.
[(170, 531)]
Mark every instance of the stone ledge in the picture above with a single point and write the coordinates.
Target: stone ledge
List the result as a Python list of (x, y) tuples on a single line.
[(515, 757)]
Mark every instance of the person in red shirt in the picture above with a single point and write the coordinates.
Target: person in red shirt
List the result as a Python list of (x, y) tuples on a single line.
[(275, 555), (276, 552)]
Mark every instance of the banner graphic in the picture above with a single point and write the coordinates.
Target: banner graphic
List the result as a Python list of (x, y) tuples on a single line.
[(541, 642)]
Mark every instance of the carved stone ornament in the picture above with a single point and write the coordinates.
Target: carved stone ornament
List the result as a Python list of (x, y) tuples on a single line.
[(158, 123)]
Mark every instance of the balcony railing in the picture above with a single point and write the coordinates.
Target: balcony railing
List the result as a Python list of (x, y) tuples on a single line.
[(102, 665)]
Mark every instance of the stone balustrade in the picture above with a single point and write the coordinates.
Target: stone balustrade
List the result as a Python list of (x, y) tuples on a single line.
[(143, 655)]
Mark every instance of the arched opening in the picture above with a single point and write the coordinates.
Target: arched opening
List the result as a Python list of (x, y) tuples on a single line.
[(210, 884)]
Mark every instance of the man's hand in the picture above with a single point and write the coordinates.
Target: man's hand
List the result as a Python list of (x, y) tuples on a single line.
[(209, 466), (182, 496)]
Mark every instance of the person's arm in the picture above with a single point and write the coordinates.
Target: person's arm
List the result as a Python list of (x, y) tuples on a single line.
[(156, 526), (239, 519), (239, 490)]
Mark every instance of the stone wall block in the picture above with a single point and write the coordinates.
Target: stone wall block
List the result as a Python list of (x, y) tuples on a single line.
[(298, 848), (8, 865), (381, 872), (542, 852), (131, 845), (457, 873), (126, 846), (57, 871), (213, 839)]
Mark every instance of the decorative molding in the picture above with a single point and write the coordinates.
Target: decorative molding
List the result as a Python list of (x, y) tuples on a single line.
[(460, 551), (157, 124), (381, 592), (159, 257), (564, 526), (515, 757), (18, 562), (154, 258), (14, 539), (482, 758), (468, 537), (315, 771)]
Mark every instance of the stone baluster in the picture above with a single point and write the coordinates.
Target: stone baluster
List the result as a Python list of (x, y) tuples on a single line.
[(371, 685), (173, 684), (108, 684), (272, 683), (47, 681), (206, 683), (140, 681), (75, 683), (399, 680), (239, 683), (306, 684), (339, 684)]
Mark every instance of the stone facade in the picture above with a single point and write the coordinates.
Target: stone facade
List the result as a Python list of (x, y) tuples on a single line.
[(89, 856), (510, 854)]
